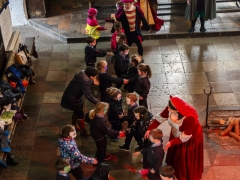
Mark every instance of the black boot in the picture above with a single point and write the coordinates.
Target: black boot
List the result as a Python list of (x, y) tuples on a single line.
[(10, 160), (202, 29), (75, 122), (192, 29)]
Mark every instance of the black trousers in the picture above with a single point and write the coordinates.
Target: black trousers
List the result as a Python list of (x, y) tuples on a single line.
[(104, 97), (101, 149), (79, 114), (90, 64), (137, 137), (133, 37), (143, 103), (146, 144), (119, 75), (77, 173), (154, 176)]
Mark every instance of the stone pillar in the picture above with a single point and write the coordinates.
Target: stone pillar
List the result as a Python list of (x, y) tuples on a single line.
[(18, 12), (91, 3)]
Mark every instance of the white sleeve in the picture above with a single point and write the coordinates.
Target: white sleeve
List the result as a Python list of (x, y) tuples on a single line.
[(184, 138), (159, 118)]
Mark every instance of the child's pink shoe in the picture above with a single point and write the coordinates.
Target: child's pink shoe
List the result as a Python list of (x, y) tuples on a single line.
[(122, 134), (143, 172)]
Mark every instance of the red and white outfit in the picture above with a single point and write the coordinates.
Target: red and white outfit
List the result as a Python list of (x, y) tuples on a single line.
[(114, 39), (185, 153)]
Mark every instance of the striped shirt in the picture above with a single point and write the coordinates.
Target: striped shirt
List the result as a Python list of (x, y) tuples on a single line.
[(131, 17)]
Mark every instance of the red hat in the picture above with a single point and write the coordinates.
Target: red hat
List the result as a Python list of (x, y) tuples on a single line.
[(92, 11), (183, 108), (127, 1)]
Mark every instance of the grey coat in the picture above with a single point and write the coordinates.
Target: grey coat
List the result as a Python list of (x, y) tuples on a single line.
[(210, 10)]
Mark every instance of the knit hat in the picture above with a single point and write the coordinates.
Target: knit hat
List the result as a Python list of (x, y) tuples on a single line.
[(113, 92), (92, 12), (127, 1)]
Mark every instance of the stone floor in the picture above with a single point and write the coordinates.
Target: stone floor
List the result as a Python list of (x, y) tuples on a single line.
[(181, 67)]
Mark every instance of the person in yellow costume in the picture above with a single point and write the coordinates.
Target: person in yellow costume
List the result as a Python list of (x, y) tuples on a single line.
[(93, 29)]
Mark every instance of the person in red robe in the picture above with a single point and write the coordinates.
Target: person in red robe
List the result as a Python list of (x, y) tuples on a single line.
[(185, 146)]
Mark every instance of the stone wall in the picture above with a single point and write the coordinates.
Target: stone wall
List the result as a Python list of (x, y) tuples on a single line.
[(6, 25), (18, 12)]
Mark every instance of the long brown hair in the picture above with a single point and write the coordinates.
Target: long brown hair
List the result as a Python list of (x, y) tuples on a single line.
[(145, 68), (143, 112), (98, 108)]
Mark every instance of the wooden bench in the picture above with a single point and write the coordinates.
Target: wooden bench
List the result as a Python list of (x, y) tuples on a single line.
[(30, 43)]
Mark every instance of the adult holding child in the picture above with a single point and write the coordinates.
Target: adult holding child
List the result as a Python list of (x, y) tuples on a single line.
[(185, 146), (72, 97)]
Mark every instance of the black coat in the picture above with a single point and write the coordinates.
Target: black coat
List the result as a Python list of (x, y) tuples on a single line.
[(99, 127), (155, 156), (59, 177), (132, 75), (115, 109), (140, 126), (130, 116), (120, 63), (79, 86), (91, 54), (142, 87), (121, 16), (106, 81)]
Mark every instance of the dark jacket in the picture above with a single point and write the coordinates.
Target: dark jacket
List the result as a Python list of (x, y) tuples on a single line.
[(99, 127), (132, 75), (91, 54), (155, 156), (60, 177), (106, 81), (120, 63), (140, 126), (142, 87), (130, 115), (121, 16), (80, 85), (115, 109)]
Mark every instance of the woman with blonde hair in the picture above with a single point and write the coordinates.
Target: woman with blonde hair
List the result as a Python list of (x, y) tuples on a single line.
[(99, 129)]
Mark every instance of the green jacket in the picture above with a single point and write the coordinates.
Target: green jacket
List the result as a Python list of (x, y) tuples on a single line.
[(210, 10)]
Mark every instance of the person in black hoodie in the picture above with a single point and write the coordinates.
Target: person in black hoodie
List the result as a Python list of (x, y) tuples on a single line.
[(121, 62), (99, 129), (115, 109), (154, 154), (142, 85), (142, 120), (106, 80), (91, 53), (80, 85)]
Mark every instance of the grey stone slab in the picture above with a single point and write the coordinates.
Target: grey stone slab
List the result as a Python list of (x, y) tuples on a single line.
[(48, 131), (56, 76), (193, 67), (52, 97), (197, 88), (171, 58), (225, 99), (235, 86), (233, 75), (158, 68), (58, 65), (223, 47), (212, 66), (201, 100), (196, 77), (173, 68), (221, 87), (64, 48), (158, 78), (217, 76), (33, 98), (152, 59), (231, 65), (229, 56)]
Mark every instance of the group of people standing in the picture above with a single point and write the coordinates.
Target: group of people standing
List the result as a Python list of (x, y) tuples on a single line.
[(185, 147)]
